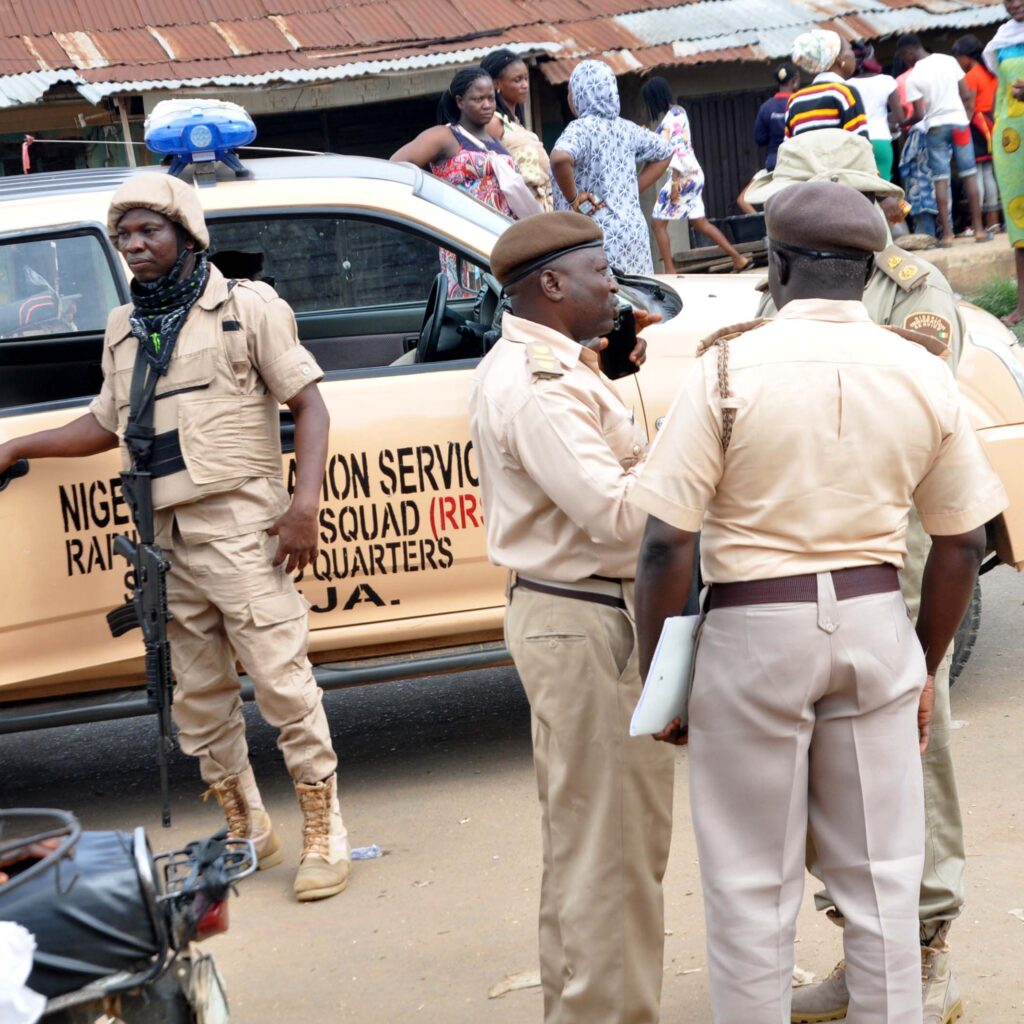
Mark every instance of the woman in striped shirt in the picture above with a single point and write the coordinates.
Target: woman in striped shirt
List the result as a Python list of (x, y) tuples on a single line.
[(828, 102)]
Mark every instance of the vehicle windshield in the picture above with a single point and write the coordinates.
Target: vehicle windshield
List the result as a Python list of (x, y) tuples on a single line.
[(55, 286)]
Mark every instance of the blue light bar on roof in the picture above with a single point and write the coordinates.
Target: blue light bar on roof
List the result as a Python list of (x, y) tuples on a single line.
[(197, 131)]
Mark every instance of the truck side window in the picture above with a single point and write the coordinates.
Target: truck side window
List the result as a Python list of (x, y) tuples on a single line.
[(55, 286), (322, 263)]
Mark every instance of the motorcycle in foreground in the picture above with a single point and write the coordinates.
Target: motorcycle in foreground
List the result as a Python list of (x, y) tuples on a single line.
[(117, 927)]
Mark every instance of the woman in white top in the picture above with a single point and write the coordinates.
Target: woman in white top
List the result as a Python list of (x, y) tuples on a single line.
[(881, 101)]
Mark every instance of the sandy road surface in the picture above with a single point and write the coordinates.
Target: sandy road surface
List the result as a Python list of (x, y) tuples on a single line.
[(439, 774)]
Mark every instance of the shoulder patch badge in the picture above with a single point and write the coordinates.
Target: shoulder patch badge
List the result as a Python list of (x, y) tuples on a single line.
[(932, 324), (893, 262), (908, 273), (542, 361)]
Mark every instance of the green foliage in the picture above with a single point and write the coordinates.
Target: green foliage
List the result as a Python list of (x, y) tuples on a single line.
[(998, 296)]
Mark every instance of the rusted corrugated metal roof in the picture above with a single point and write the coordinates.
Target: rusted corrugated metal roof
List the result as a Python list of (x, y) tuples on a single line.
[(107, 47)]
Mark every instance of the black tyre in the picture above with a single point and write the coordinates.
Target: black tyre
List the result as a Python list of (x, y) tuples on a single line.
[(966, 635)]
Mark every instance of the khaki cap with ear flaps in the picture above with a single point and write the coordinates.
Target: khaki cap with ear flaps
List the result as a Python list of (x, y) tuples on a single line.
[(828, 154), (164, 194)]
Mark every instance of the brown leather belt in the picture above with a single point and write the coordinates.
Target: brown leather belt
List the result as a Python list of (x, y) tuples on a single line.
[(576, 594), (857, 582)]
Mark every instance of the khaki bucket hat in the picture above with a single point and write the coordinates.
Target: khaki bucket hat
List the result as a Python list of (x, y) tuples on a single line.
[(162, 193), (828, 154)]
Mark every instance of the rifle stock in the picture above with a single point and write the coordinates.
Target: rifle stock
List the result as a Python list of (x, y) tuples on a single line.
[(148, 610)]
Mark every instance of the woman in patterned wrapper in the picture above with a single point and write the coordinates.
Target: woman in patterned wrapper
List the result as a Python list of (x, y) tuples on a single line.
[(681, 194), (511, 92), (1004, 57), (594, 164)]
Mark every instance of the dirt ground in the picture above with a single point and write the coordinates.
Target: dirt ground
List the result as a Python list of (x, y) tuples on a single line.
[(450, 912), (438, 774)]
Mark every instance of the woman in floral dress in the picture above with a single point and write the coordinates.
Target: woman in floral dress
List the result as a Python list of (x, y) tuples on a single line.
[(594, 164), (680, 197)]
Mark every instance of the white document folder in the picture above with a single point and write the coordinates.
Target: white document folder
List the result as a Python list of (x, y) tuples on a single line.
[(667, 687)]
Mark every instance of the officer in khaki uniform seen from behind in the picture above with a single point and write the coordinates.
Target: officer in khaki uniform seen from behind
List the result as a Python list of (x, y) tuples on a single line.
[(811, 699), (908, 292), (558, 453), (226, 354)]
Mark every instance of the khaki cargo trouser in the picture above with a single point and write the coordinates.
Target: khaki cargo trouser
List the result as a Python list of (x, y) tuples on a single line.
[(230, 604), (606, 810), (942, 885), (804, 716)]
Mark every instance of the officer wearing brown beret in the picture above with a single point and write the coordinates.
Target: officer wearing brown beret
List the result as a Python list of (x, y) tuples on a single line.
[(904, 291), (811, 693), (558, 453)]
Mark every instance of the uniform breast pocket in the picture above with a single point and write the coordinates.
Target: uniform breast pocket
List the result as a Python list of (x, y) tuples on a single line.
[(625, 440), (189, 371)]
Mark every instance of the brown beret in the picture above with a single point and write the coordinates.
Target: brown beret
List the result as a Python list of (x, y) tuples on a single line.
[(535, 241), (825, 216)]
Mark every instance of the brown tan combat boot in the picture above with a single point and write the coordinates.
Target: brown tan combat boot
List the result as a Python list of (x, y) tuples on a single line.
[(324, 864), (940, 992), (822, 1001), (240, 801)]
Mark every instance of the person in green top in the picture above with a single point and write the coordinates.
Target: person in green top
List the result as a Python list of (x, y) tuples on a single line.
[(1004, 56)]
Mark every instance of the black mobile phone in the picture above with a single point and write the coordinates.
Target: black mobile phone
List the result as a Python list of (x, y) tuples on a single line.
[(615, 361)]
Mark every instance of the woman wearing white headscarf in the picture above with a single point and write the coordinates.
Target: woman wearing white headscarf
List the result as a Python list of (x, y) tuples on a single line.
[(594, 164), (828, 102)]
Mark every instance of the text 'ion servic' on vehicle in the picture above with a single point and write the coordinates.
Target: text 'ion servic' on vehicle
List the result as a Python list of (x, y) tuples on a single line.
[(401, 586)]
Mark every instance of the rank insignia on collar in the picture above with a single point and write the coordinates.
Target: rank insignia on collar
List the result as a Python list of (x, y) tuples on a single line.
[(894, 262), (908, 272)]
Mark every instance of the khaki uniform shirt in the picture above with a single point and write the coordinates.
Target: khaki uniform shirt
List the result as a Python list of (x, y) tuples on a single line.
[(557, 452), (236, 359), (906, 291), (840, 426)]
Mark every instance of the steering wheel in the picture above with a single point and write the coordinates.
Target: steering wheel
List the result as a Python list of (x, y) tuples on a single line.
[(433, 320)]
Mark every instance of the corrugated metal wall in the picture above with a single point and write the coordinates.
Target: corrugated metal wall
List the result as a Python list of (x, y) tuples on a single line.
[(723, 137)]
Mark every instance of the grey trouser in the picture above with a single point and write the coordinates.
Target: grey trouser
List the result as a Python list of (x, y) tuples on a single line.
[(805, 715), (606, 810)]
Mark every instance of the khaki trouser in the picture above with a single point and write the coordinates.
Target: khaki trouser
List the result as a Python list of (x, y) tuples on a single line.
[(229, 603), (942, 884), (806, 715), (606, 806)]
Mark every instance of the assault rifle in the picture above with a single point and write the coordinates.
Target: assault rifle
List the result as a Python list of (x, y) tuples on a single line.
[(147, 609)]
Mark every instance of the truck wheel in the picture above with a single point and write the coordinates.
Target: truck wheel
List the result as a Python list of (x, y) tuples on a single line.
[(966, 635)]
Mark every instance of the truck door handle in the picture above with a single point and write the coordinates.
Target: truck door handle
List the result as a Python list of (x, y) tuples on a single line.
[(20, 468)]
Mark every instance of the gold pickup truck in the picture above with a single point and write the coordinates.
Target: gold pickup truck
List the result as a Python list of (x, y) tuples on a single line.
[(402, 586)]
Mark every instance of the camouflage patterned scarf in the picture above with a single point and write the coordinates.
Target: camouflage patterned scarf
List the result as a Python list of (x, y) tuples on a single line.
[(161, 307)]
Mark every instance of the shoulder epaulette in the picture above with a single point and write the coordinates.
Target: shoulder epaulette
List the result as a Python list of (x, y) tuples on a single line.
[(903, 267), (542, 361), (728, 333), (265, 291)]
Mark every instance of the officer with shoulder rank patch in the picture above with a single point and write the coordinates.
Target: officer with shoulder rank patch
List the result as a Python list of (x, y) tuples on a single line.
[(558, 453), (906, 292), (222, 356)]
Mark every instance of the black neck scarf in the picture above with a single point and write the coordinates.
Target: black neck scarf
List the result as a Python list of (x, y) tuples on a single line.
[(161, 307)]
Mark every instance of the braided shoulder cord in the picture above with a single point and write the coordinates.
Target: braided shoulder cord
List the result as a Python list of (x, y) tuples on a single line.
[(728, 414)]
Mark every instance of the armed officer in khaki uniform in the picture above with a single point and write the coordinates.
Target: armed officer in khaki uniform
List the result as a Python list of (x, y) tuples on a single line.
[(225, 355), (558, 455), (805, 708), (907, 292)]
